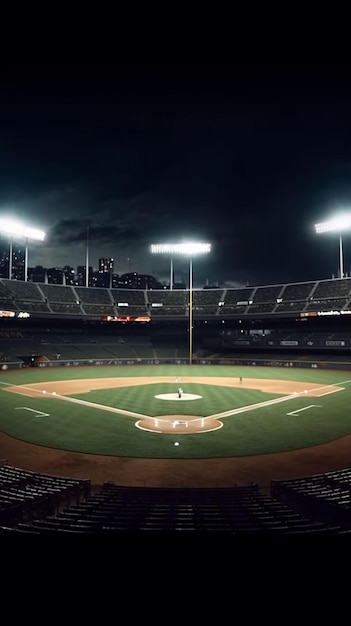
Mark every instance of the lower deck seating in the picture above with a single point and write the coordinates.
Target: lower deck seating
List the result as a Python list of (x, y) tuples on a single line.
[(326, 497), (25, 495), (115, 510)]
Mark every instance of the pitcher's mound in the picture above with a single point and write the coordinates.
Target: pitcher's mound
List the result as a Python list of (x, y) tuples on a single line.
[(174, 396)]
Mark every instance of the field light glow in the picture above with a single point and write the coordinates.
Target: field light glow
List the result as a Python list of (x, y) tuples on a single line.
[(11, 227), (343, 222), (188, 248)]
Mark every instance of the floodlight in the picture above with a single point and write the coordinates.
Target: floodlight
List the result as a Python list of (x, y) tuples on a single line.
[(12, 228), (343, 222), (187, 248), (338, 224)]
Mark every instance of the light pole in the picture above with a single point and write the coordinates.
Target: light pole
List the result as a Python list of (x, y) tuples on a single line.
[(20, 230), (338, 224), (10, 259), (87, 261), (26, 260), (189, 249)]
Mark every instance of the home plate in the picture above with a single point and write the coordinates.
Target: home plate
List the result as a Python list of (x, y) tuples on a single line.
[(174, 396)]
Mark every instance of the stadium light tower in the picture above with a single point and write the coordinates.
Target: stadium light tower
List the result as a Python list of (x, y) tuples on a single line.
[(15, 229), (338, 224), (189, 249)]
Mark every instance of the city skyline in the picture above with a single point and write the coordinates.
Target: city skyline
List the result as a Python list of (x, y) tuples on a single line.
[(75, 275), (247, 156), (180, 274)]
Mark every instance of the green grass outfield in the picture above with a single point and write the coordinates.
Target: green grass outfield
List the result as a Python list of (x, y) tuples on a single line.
[(59, 424)]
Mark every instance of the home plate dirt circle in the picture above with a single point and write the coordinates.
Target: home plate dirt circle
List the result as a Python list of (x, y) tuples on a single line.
[(179, 424), (174, 396)]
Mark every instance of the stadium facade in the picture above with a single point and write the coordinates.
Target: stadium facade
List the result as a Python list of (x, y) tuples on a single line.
[(312, 316)]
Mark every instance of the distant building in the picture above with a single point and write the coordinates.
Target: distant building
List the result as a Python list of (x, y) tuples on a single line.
[(55, 276), (138, 281), (106, 266), (37, 274), (103, 277), (18, 258), (4, 263), (69, 275), (81, 276)]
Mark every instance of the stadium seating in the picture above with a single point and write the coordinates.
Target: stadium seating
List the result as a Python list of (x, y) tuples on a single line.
[(25, 494), (32, 503), (325, 497), (273, 300)]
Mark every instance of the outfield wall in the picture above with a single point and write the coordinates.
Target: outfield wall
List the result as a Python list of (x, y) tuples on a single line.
[(11, 366), (264, 362)]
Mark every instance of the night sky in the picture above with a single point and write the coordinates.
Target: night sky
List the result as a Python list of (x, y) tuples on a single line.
[(245, 155)]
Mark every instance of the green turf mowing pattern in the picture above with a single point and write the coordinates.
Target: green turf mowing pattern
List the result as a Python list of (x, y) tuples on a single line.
[(90, 429)]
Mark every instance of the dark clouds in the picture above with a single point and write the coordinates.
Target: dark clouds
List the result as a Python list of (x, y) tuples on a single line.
[(245, 156)]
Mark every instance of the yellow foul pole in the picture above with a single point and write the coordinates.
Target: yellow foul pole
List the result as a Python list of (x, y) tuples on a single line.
[(190, 311)]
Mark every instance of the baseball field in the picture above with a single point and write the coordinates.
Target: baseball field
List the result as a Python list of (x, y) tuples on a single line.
[(232, 424)]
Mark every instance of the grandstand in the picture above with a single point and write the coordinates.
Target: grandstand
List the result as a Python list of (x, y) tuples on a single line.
[(88, 302), (35, 504), (275, 318)]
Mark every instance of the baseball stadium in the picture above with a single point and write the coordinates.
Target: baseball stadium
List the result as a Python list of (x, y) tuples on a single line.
[(175, 411)]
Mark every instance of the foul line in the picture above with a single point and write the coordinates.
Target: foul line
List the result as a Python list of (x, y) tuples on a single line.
[(328, 393), (252, 407), (104, 407)]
